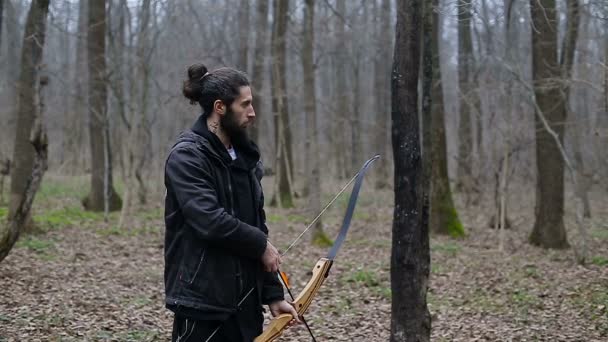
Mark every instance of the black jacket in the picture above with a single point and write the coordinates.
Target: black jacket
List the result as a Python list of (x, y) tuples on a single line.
[(206, 245)]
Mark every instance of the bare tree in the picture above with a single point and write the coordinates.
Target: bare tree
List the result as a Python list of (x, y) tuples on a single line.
[(549, 230), (382, 86), (410, 257), (244, 29), (583, 181), (284, 165), (343, 108), (75, 115), (257, 76), (312, 152), (138, 122), (1, 16), (465, 68), (443, 216), (29, 153), (31, 58), (102, 197)]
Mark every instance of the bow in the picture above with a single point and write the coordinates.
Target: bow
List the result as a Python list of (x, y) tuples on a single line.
[(321, 269)]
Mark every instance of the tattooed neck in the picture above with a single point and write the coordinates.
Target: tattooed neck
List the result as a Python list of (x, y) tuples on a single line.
[(213, 126)]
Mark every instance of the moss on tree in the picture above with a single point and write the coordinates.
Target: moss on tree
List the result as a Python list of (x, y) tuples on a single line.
[(321, 239)]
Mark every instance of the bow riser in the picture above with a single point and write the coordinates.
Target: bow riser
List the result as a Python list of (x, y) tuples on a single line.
[(301, 303)]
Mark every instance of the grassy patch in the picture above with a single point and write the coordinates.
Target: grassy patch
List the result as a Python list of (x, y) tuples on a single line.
[(43, 248), (72, 187), (437, 269), (151, 214), (382, 292), (530, 271), (3, 213), (34, 244), (141, 301), (296, 218), (523, 301), (449, 248), (599, 260), (338, 306), (273, 218), (483, 301), (367, 278), (53, 219), (116, 231), (601, 234), (361, 216)]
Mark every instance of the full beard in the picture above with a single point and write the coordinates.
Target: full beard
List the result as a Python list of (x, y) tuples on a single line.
[(238, 135)]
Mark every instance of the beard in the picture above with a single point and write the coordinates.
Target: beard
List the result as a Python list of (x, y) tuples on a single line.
[(230, 125)]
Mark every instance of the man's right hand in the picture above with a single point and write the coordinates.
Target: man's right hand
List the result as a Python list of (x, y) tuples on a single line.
[(271, 258)]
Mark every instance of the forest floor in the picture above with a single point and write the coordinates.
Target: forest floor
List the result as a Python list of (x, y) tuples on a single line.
[(82, 279)]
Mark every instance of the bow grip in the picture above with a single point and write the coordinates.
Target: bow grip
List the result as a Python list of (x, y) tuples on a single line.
[(301, 303)]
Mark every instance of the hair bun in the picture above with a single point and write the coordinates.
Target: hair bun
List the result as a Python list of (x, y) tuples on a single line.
[(193, 88), (196, 72)]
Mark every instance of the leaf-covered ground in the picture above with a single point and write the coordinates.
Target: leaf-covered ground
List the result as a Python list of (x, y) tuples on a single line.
[(81, 279)]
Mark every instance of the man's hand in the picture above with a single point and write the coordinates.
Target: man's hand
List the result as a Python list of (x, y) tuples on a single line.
[(281, 307), (271, 258)]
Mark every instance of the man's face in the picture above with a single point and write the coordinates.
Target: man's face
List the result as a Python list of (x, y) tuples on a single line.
[(239, 115)]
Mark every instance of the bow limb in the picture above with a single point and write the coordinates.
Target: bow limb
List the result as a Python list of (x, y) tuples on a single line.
[(301, 303)]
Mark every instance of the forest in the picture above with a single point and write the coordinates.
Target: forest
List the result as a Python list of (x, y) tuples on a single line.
[(484, 218)]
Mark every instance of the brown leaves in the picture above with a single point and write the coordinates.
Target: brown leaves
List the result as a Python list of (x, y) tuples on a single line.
[(102, 286)]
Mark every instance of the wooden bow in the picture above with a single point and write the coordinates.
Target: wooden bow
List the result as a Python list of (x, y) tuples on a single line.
[(301, 303), (319, 272)]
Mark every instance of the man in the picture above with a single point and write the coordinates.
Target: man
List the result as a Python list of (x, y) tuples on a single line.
[(219, 265)]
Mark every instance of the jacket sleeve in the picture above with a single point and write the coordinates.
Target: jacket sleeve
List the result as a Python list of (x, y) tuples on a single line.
[(272, 290), (191, 183)]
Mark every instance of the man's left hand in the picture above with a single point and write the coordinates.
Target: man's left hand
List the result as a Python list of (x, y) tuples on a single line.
[(283, 306)]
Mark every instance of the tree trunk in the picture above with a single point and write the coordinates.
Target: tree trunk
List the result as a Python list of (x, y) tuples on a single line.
[(1, 12), (13, 47), (443, 217), (583, 183), (410, 256), (355, 116), (310, 109), (138, 128), (101, 177), (29, 159), (74, 126), (31, 58), (549, 230), (606, 77), (282, 129), (426, 82), (19, 218), (382, 90), (257, 76), (465, 67), (343, 109), (243, 22)]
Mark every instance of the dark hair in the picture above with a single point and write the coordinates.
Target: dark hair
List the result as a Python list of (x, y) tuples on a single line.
[(206, 87)]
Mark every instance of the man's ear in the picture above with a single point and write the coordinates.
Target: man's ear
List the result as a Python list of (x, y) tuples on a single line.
[(219, 107)]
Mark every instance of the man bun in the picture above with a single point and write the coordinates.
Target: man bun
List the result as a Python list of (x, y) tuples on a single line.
[(193, 86)]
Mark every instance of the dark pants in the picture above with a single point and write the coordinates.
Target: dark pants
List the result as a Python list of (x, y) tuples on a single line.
[(244, 326)]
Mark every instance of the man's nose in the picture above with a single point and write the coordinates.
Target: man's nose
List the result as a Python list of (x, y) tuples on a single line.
[(251, 113)]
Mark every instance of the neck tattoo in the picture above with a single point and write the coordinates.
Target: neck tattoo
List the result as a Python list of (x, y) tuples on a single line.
[(214, 126)]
